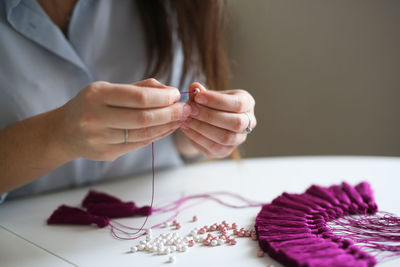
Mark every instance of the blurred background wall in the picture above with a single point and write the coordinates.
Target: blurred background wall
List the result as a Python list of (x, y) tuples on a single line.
[(325, 75)]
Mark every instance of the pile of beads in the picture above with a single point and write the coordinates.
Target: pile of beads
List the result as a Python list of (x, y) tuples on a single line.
[(209, 235)]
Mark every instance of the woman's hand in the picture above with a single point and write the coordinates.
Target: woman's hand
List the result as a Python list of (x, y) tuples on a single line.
[(93, 123), (218, 123)]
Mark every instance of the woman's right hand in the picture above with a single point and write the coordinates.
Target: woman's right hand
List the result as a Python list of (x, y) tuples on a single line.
[(93, 123)]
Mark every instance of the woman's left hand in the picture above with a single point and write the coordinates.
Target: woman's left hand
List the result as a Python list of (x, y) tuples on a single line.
[(218, 123)]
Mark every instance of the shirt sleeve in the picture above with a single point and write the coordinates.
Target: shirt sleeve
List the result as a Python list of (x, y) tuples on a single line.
[(3, 197)]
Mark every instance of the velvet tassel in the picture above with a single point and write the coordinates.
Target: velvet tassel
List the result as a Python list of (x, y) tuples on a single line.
[(70, 215)]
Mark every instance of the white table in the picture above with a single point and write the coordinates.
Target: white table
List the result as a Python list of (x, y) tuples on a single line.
[(25, 239)]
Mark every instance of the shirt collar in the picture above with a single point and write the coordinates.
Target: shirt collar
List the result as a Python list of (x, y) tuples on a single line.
[(41, 30)]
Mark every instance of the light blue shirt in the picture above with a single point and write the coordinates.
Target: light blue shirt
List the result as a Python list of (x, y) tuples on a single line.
[(40, 70)]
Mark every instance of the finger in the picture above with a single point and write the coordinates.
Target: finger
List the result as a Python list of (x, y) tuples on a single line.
[(214, 149), (232, 100), (151, 82), (123, 118), (133, 96), (216, 134), (120, 149), (236, 122), (117, 136)]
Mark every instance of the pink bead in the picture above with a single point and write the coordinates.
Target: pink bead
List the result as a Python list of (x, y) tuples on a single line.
[(233, 241), (234, 225), (202, 231), (235, 232), (206, 243), (195, 218), (240, 234), (174, 222), (191, 243), (247, 234), (178, 226), (254, 237), (260, 254), (213, 228), (224, 222)]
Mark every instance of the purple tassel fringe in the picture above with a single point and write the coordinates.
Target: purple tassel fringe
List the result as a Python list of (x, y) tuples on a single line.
[(294, 228)]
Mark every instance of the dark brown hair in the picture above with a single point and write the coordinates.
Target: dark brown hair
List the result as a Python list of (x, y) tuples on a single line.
[(200, 25)]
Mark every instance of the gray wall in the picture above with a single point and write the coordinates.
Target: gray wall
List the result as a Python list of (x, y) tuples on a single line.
[(325, 74)]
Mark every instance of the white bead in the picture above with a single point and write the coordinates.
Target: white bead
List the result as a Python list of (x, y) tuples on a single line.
[(220, 242), (134, 249), (186, 239), (171, 259), (173, 248), (140, 247), (184, 248), (214, 243), (149, 231), (142, 242)]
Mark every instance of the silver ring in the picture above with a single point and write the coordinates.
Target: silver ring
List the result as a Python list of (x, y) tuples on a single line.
[(248, 128), (126, 136)]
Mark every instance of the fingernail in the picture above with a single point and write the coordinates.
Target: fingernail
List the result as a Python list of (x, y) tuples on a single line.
[(187, 110), (200, 99), (195, 110), (196, 91), (177, 95)]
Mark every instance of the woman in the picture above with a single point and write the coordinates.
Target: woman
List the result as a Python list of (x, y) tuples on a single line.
[(55, 134)]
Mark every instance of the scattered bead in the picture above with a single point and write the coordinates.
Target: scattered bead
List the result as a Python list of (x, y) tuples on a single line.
[(253, 236), (260, 254), (212, 235), (171, 259), (167, 224)]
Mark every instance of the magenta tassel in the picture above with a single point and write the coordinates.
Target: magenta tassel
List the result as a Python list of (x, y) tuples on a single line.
[(69, 215), (116, 210), (293, 228), (103, 204), (367, 194), (94, 197)]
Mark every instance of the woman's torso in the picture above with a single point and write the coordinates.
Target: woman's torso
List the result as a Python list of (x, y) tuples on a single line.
[(41, 70)]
